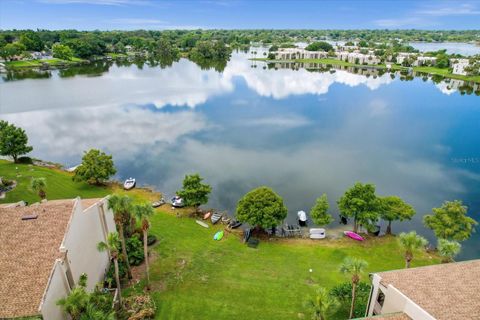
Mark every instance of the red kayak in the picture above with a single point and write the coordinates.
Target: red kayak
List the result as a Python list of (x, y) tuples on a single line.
[(353, 235)]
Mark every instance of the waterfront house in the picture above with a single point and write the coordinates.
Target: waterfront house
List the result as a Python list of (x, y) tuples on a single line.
[(437, 292), (458, 66), (358, 58), (298, 53), (44, 248)]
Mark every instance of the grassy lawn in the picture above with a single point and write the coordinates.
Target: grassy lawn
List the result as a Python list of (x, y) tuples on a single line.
[(38, 63), (195, 277)]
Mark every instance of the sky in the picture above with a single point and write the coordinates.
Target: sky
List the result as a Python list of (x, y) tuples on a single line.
[(237, 14)]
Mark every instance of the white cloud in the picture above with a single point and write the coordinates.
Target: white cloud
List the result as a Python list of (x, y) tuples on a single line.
[(457, 10), (284, 121)]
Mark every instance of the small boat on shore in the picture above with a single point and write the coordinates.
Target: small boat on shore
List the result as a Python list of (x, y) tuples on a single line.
[(158, 203), (216, 217), (218, 236), (353, 235), (177, 202), (203, 224), (234, 224), (207, 215), (129, 184), (226, 219)]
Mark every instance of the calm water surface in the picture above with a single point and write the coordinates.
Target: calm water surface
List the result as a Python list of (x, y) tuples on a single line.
[(301, 132), (466, 49)]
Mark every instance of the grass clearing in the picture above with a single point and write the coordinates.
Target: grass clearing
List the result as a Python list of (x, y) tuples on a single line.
[(195, 277), (38, 63)]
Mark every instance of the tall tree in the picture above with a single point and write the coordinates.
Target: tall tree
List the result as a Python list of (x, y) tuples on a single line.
[(112, 247), (319, 211), (395, 209), (448, 249), (121, 207), (96, 167), (353, 267), (450, 221), (194, 192), (360, 203), (39, 185), (410, 242), (261, 207), (142, 213), (322, 305), (61, 51), (13, 141), (32, 42)]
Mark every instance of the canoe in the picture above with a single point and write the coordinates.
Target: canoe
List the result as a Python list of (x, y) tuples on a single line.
[(207, 215), (218, 236), (203, 224), (353, 235), (158, 203), (216, 217)]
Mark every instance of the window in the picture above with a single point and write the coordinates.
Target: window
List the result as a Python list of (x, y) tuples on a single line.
[(380, 298)]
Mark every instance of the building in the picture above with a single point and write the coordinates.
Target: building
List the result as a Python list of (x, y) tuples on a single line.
[(442, 292), (458, 66), (298, 53), (44, 248), (358, 58)]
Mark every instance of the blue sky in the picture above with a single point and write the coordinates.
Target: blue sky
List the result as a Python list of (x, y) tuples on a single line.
[(242, 14)]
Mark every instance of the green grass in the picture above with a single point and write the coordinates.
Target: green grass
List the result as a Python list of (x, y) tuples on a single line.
[(195, 277), (38, 63)]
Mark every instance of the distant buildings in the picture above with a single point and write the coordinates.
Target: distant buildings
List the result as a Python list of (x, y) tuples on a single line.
[(358, 58), (438, 292), (44, 248), (298, 53), (458, 66)]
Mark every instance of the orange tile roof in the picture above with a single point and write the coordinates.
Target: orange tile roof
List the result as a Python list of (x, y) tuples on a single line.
[(446, 291), (28, 249)]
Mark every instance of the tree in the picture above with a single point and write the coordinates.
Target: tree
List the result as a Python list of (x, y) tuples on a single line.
[(410, 242), (96, 167), (121, 207), (319, 212), (322, 305), (142, 213), (39, 185), (261, 207), (450, 221), (32, 42), (360, 203), (342, 292), (11, 49), (194, 192), (317, 46), (442, 61), (353, 267), (395, 209), (61, 51), (448, 249), (112, 247), (13, 141)]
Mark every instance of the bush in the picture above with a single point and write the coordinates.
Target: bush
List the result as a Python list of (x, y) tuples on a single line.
[(110, 275), (138, 308), (151, 239), (343, 293), (25, 160), (135, 251)]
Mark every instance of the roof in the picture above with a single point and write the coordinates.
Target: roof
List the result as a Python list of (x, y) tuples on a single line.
[(28, 250), (445, 291)]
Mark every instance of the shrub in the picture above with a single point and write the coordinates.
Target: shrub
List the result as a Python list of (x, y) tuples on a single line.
[(151, 239), (135, 251), (343, 293), (138, 308), (25, 160)]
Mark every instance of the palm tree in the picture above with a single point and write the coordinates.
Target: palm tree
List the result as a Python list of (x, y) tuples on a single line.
[(39, 185), (353, 267), (448, 249), (112, 247), (92, 313), (411, 241), (142, 213), (121, 206), (77, 300), (322, 305)]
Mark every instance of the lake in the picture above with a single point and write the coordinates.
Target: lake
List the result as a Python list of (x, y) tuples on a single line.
[(301, 132), (466, 49)]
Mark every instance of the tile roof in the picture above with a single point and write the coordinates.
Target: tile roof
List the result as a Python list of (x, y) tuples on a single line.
[(445, 291), (28, 249)]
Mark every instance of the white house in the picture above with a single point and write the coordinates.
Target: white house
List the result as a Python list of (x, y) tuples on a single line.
[(438, 292), (458, 66), (358, 58), (44, 248), (298, 53)]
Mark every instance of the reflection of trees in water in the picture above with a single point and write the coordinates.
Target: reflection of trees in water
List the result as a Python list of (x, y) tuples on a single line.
[(26, 74), (217, 65), (93, 69)]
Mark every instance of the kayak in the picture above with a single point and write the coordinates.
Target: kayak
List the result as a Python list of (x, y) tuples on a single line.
[(353, 235), (207, 215), (218, 236), (203, 224), (216, 217)]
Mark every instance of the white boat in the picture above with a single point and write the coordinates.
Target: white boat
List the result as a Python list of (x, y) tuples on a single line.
[(129, 184), (177, 202), (203, 224), (317, 233)]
